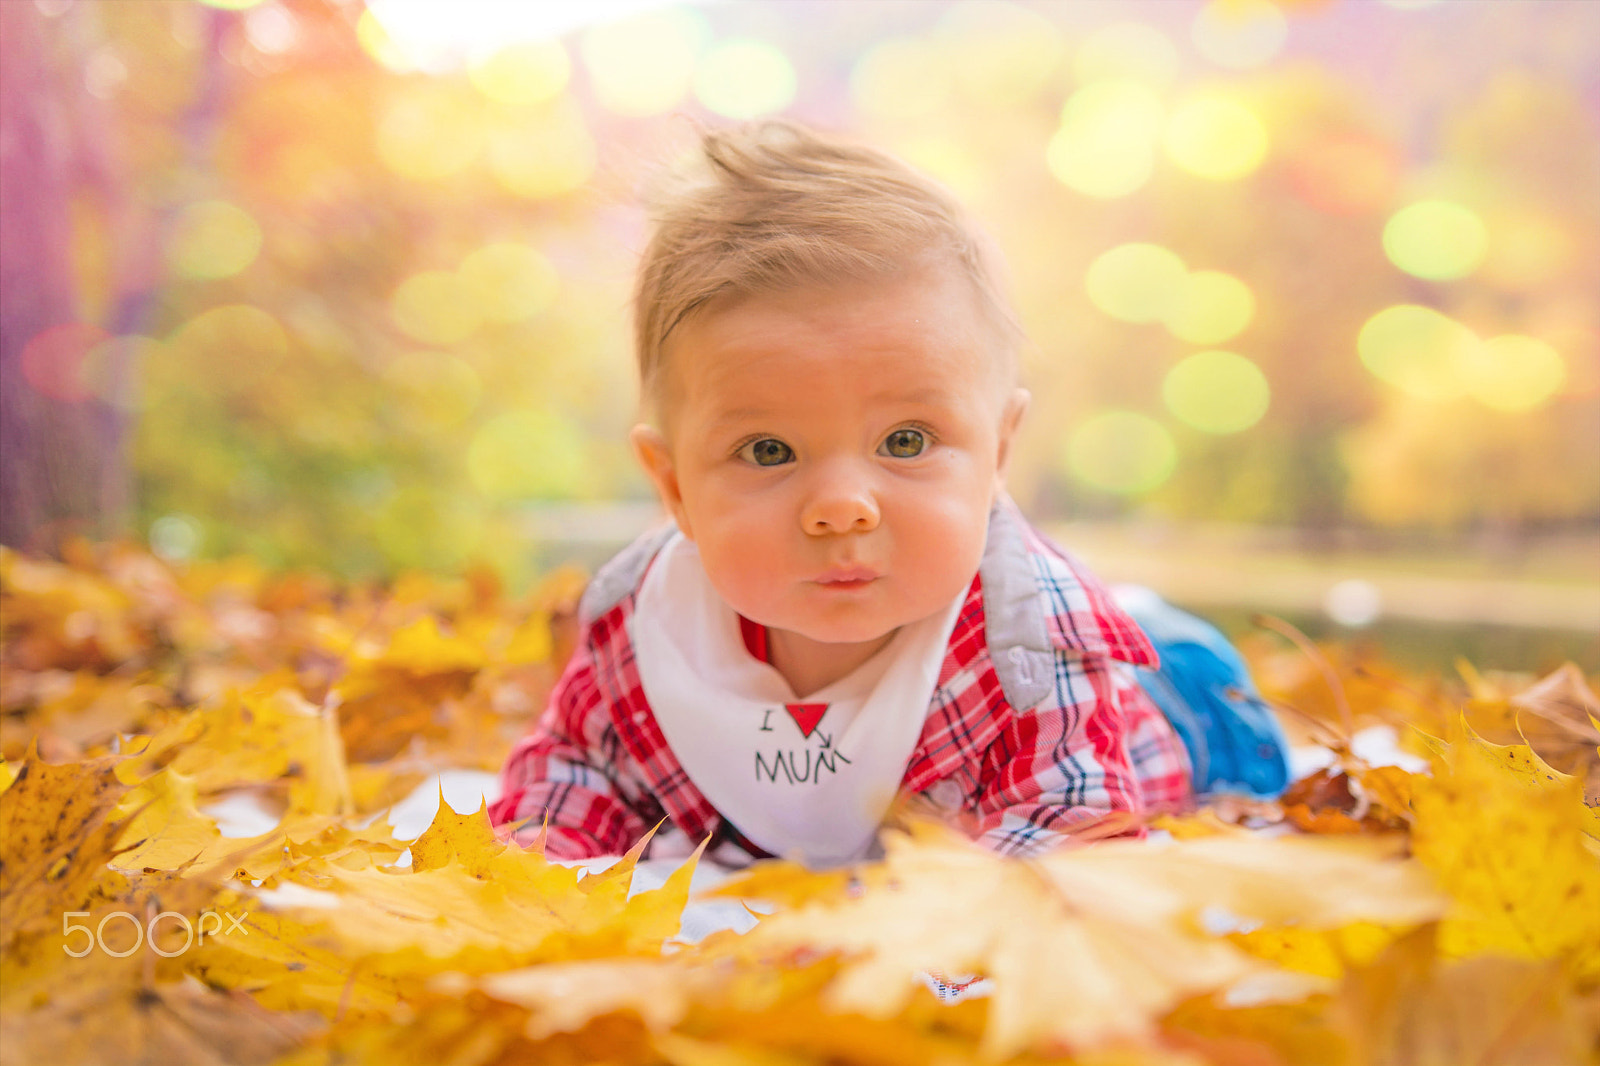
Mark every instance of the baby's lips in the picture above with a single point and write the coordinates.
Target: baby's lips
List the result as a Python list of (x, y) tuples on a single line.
[(846, 575)]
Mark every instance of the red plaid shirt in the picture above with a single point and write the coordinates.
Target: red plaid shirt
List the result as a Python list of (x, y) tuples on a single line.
[(597, 768)]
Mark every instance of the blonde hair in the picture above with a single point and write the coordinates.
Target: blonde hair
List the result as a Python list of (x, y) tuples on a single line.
[(775, 206)]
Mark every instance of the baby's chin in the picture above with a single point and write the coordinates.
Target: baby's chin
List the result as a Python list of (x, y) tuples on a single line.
[(845, 635), (858, 628)]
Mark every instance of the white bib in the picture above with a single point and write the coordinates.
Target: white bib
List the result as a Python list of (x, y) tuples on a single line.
[(808, 779)]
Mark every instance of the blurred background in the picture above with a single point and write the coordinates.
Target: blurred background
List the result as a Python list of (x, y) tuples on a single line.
[(1312, 287)]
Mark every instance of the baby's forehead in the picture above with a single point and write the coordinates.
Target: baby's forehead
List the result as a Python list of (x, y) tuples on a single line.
[(871, 317), (872, 337), (897, 299)]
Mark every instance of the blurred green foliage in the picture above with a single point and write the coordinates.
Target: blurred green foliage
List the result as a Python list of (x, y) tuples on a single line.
[(386, 252)]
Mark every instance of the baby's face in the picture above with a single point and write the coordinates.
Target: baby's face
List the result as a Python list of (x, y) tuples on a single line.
[(834, 451)]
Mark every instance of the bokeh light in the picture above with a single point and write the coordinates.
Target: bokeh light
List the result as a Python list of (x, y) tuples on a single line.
[(644, 65), (376, 41), (543, 155), (534, 454), (440, 38), (431, 132), (213, 239), (1417, 350), (52, 362), (435, 307), (1129, 51), (1122, 452), (947, 161), (176, 537), (417, 527), (1354, 602), (528, 73), (112, 370), (1530, 249), (1436, 239), (403, 219), (1005, 54), (1216, 392), (1514, 373), (1240, 34), (509, 282), (234, 346), (432, 390), (901, 79), (1106, 144), (272, 30), (1215, 137), (1136, 282), (745, 79), (1210, 307), (1345, 174), (104, 74)]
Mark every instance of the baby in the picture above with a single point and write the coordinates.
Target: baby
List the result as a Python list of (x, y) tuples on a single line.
[(847, 608)]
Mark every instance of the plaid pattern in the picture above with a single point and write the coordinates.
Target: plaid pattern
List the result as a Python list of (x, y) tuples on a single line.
[(597, 768)]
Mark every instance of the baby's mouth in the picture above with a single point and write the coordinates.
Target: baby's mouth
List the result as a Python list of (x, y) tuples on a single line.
[(847, 577)]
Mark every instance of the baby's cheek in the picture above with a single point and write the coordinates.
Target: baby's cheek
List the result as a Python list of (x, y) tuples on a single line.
[(946, 536), (744, 568)]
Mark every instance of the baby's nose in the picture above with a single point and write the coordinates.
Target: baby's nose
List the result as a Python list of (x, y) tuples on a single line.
[(842, 500)]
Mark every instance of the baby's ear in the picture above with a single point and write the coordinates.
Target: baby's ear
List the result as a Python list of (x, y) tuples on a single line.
[(650, 448), (1010, 418)]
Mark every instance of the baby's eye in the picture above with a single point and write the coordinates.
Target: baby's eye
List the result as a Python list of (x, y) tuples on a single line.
[(903, 444), (768, 451)]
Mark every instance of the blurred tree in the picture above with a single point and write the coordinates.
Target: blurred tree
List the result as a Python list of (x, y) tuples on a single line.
[(1317, 270), (368, 313), (84, 216), (1474, 458), (62, 462)]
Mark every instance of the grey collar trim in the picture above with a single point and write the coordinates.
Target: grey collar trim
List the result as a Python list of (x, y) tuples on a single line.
[(621, 574), (1013, 616), (1014, 621)]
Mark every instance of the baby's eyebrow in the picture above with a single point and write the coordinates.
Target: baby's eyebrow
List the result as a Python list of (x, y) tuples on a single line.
[(924, 396), (739, 415), (913, 396)]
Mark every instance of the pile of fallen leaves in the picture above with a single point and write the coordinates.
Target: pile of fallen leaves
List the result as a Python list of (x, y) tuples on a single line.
[(1449, 914)]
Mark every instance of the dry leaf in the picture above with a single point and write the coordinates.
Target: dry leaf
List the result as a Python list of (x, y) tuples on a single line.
[(1509, 850), (1085, 945), (1409, 1008), (1208, 949)]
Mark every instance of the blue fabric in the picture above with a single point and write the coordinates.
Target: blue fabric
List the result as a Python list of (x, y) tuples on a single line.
[(1204, 688)]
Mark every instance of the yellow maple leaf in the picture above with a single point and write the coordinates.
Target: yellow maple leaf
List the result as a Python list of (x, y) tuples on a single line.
[(106, 1010), (420, 649), (479, 906), (162, 828), (56, 835), (1505, 840), (465, 840), (314, 841), (64, 617), (1324, 952), (1408, 1006), (782, 881), (295, 960), (1259, 1034), (257, 734), (440, 1029), (1553, 715), (564, 997), (1087, 945), (83, 712)]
